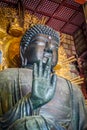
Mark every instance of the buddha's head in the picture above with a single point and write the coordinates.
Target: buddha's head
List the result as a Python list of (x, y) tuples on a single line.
[(39, 43)]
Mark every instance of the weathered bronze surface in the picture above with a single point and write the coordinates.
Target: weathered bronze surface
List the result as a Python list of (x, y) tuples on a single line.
[(34, 89)]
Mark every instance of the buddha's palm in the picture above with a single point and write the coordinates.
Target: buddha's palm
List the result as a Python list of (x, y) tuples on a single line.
[(43, 84)]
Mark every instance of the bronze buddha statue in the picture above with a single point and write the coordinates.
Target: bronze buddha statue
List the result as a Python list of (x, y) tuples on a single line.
[(34, 89)]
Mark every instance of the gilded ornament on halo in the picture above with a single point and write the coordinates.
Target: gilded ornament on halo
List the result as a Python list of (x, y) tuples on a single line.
[(14, 52)]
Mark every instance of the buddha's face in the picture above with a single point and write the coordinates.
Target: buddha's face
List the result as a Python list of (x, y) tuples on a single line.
[(41, 48)]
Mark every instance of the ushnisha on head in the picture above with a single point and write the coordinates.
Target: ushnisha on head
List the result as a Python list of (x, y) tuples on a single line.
[(39, 42)]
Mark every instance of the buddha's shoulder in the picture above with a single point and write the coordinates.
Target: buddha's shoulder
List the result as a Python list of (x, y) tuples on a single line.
[(10, 73), (62, 81), (66, 85), (14, 70)]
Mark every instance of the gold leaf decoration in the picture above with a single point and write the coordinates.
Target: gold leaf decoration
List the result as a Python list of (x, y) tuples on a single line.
[(9, 44), (14, 53)]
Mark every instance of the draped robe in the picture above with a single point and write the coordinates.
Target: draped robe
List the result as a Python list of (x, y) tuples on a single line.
[(67, 107)]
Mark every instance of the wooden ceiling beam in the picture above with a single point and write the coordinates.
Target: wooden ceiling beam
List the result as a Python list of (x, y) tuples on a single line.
[(72, 7), (5, 1)]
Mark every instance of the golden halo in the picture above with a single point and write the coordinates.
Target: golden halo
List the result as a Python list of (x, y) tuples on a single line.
[(14, 52)]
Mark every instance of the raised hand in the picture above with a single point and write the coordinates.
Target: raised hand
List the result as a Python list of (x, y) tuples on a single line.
[(43, 84)]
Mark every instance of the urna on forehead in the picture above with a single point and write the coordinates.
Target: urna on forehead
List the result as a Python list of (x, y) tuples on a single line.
[(42, 39), (38, 29)]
